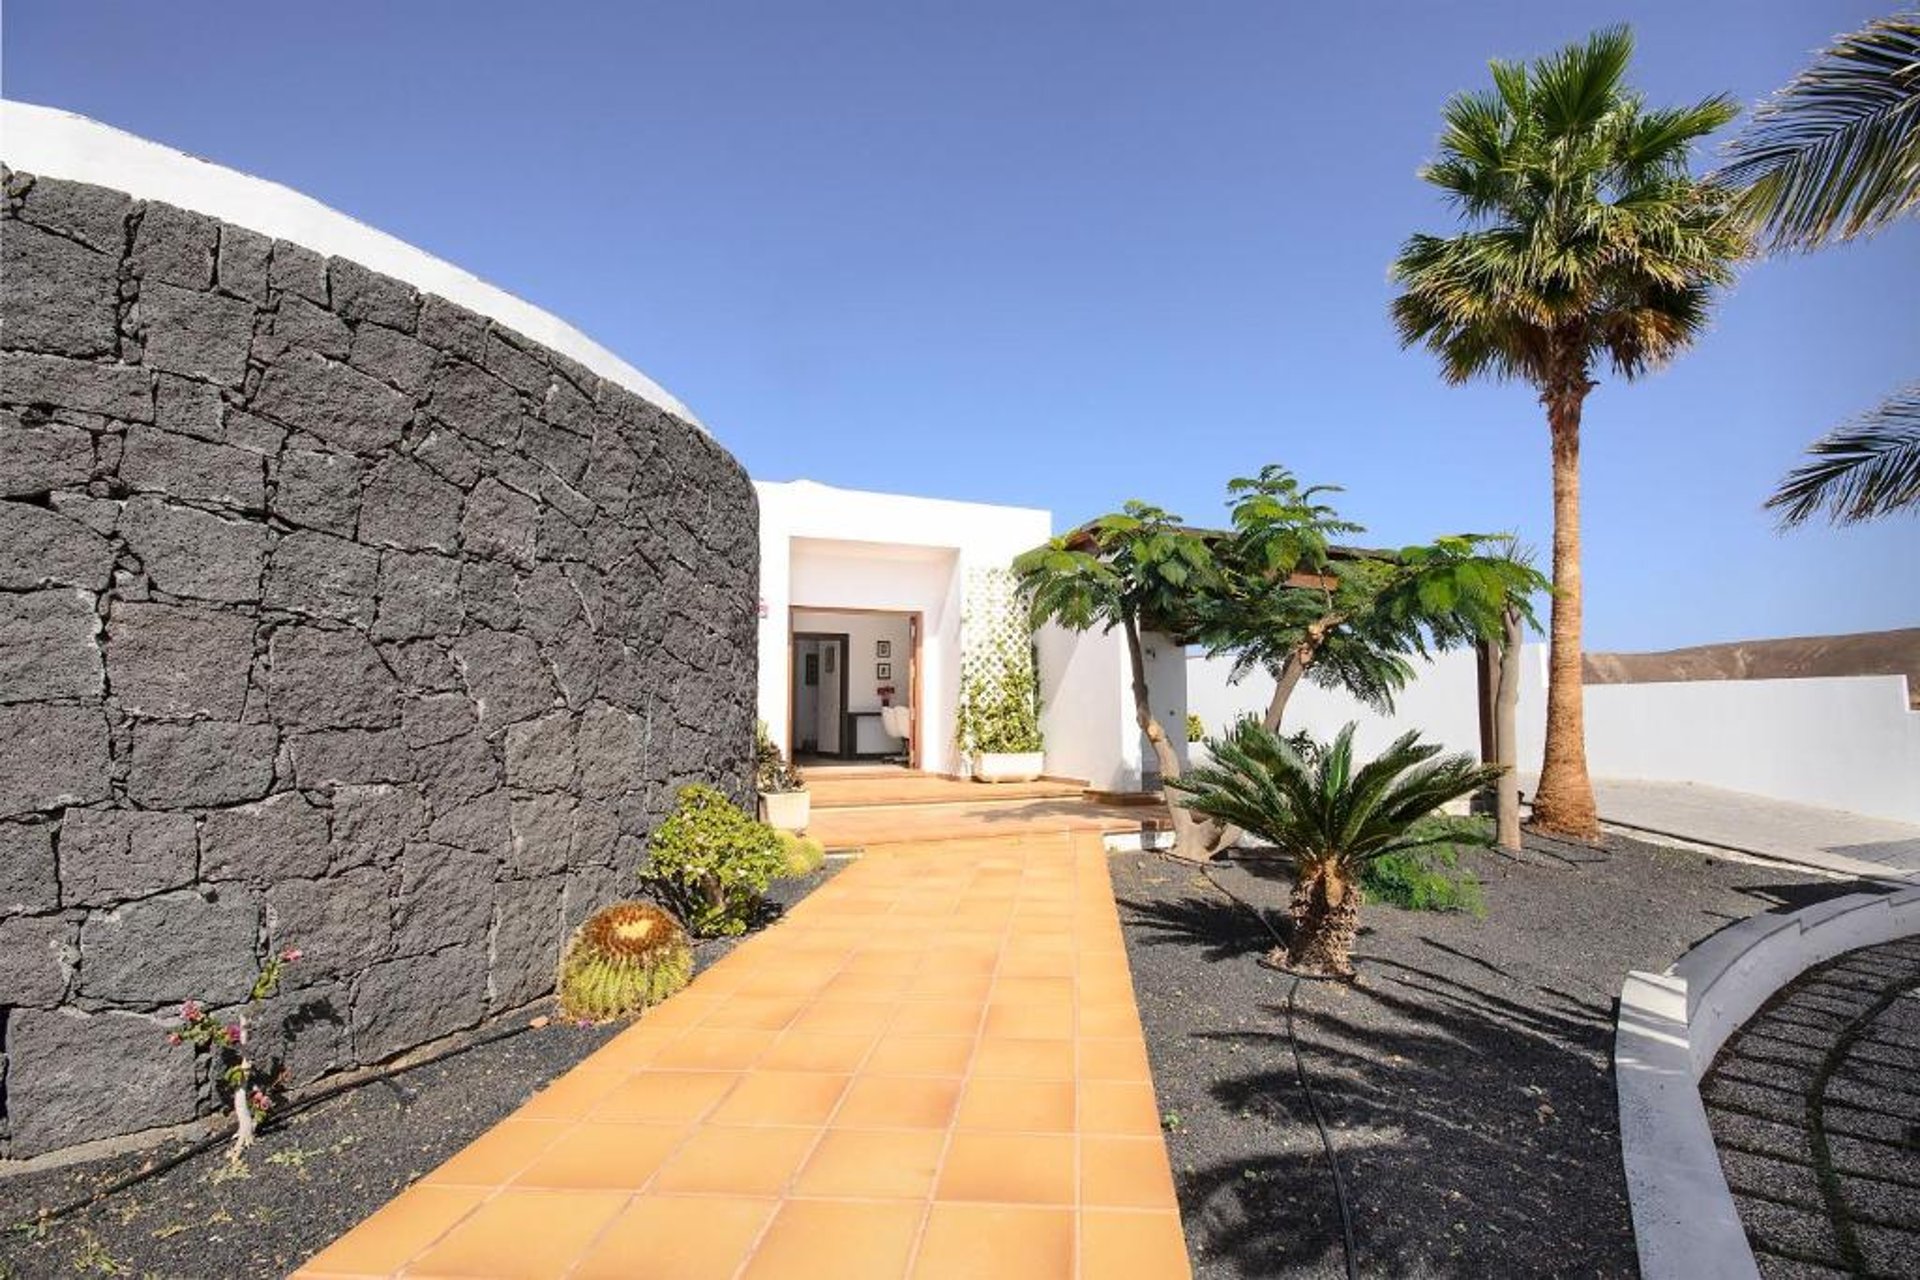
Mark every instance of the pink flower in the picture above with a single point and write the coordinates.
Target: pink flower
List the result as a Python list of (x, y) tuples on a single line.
[(260, 1100), (291, 954), (232, 1032), (173, 1037), (191, 1011)]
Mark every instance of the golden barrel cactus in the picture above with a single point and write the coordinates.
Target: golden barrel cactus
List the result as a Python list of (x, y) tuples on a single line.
[(623, 959), (803, 855)]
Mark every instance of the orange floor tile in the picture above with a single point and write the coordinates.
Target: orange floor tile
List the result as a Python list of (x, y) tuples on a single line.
[(932, 1067)]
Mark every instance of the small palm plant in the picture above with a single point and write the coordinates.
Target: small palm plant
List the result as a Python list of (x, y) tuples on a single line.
[(1330, 818)]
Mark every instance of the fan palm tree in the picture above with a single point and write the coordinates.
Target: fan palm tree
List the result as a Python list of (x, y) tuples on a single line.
[(1588, 243), (1835, 156), (1330, 818)]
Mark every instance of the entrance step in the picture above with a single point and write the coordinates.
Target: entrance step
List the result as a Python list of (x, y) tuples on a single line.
[(871, 826), (901, 787)]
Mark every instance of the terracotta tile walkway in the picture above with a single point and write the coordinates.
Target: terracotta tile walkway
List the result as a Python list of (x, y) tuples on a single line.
[(933, 1068)]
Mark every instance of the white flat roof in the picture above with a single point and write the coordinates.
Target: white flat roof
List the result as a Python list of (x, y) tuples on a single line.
[(802, 488), (51, 143)]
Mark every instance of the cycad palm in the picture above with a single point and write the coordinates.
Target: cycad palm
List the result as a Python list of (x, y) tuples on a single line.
[(1330, 818), (1835, 156), (1588, 243)]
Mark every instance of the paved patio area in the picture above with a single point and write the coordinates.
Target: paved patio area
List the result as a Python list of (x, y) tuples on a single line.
[(932, 1068), (1828, 839)]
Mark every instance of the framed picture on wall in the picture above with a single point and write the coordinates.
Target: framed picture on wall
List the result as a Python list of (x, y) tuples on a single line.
[(883, 648), (883, 671)]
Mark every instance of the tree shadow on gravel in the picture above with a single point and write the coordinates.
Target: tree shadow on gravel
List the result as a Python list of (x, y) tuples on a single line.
[(1471, 1120), (1450, 1108), (1222, 929)]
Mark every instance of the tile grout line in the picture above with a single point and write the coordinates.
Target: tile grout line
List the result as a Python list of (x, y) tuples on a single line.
[(953, 1122)]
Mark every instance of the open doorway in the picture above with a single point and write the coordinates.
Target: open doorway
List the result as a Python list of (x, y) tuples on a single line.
[(855, 688)]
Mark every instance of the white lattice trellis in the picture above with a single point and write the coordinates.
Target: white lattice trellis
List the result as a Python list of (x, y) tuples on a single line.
[(996, 642)]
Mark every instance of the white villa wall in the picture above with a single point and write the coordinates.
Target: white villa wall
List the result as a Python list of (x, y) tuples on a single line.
[(1846, 742), (1086, 705), (1167, 689), (831, 548), (1440, 703), (1086, 713)]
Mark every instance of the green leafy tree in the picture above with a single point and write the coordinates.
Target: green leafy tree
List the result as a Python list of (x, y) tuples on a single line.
[(1131, 569), (1293, 604), (1833, 157), (1330, 818), (1587, 243)]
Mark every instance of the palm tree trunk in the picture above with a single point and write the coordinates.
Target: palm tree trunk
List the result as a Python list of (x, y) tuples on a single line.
[(1506, 702), (1564, 802), (1195, 838), (1326, 918)]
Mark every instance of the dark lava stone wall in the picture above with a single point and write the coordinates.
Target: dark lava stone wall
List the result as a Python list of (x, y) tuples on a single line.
[(332, 616)]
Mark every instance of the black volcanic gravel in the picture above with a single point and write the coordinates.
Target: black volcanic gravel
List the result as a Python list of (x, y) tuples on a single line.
[(1466, 1083), (306, 1180)]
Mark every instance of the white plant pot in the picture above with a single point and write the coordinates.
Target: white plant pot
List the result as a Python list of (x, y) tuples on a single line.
[(1008, 766), (785, 810)]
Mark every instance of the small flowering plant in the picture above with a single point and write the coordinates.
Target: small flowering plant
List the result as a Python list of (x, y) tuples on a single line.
[(227, 1042)]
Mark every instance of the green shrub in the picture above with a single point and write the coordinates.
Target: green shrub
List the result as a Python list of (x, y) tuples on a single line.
[(999, 707), (1000, 714), (713, 861), (623, 959), (1432, 879), (804, 854)]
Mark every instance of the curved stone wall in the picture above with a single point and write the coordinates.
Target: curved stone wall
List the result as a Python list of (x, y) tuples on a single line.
[(333, 616)]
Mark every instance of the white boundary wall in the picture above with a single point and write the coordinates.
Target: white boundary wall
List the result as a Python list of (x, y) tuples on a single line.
[(1669, 1028), (51, 143), (1848, 742), (1837, 742)]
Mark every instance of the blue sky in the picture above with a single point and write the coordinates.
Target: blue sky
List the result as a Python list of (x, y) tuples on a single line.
[(1052, 254)]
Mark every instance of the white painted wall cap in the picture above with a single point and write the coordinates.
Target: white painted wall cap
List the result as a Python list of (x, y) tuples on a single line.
[(804, 486), (48, 142)]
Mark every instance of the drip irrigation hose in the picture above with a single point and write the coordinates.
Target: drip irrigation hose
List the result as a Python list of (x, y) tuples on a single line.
[(1306, 1088), (304, 1103)]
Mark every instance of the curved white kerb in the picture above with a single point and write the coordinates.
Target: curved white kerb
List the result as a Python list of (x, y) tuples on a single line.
[(51, 143)]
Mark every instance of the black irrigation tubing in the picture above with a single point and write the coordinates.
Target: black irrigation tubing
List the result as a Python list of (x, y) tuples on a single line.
[(1306, 1088), (300, 1105)]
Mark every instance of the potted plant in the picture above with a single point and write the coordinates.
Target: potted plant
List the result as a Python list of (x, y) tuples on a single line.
[(784, 804), (999, 726)]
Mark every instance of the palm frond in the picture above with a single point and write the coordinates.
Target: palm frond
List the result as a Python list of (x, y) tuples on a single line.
[(1867, 468), (1586, 237), (1322, 806), (1836, 153)]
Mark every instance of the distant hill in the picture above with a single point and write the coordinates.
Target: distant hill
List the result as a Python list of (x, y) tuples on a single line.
[(1865, 653)]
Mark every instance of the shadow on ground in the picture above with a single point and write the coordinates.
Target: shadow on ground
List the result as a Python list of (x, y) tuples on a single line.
[(1466, 1084)]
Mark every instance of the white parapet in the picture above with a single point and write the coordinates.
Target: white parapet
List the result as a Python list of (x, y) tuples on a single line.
[(1669, 1029), (51, 143)]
